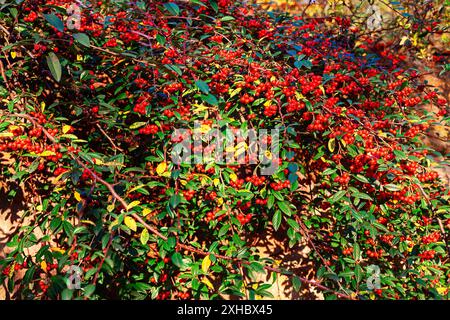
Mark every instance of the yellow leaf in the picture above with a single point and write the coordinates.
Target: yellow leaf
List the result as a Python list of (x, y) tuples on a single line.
[(208, 283), (403, 40), (441, 290), (206, 263), (203, 181), (42, 106), (233, 177), (331, 144), (205, 128), (415, 39), (66, 129), (166, 174), (6, 134), (241, 145), (234, 92), (219, 201), (47, 153), (229, 149), (56, 249), (161, 168), (98, 162), (199, 108), (113, 224), (146, 212), (77, 196), (216, 182), (12, 128), (133, 204), (55, 181), (13, 54), (183, 182), (299, 96), (44, 265), (144, 236), (239, 152), (322, 88), (88, 222), (422, 54), (111, 207), (130, 223), (268, 154), (79, 57)]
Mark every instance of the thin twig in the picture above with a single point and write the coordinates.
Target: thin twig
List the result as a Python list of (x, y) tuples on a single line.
[(107, 137), (156, 232)]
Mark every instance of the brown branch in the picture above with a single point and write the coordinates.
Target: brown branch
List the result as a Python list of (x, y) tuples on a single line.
[(105, 253), (2, 72), (157, 233), (108, 137)]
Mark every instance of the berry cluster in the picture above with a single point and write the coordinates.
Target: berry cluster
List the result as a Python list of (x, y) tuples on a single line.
[(431, 238), (188, 194), (244, 218), (427, 255), (277, 186), (343, 179), (149, 129)]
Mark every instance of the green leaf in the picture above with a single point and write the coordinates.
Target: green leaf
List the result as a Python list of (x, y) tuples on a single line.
[(54, 65), (203, 86), (177, 260), (171, 243), (211, 99), (174, 200), (270, 201), (66, 294), (284, 207), (276, 220), (400, 154), (358, 273), (89, 289), (83, 39), (174, 68), (29, 275), (362, 195), (198, 2), (224, 230), (294, 224), (161, 39), (337, 196), (172, 8), (362, 178), (356, 251), (214, 5), (392, 187), (328, 171), (296, 283), (227, 18), (54, 21)]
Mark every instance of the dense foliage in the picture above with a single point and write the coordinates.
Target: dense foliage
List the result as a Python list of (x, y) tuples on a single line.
[(86, 121)]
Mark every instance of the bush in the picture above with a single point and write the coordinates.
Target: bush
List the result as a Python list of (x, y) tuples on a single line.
[(88, 112)]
